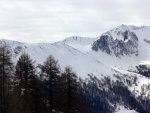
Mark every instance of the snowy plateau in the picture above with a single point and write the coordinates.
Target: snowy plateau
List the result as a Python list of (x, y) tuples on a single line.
[(119, 53)]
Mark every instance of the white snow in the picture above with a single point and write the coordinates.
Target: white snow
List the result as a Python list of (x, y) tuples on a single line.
[(122, 109)]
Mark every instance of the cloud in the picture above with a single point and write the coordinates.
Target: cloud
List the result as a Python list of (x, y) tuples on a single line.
[(49, 21)]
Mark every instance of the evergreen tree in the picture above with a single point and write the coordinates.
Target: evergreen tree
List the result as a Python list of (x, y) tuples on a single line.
[(50, 70), (26, 85), (5, 74), (71, 94)]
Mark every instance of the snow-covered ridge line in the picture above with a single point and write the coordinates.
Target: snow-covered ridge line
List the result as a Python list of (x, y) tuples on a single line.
[(83, 40)]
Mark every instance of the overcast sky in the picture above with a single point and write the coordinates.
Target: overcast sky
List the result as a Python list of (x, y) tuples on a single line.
[(53, 20)]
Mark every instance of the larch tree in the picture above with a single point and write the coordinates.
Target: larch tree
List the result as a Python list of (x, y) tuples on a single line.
[(6, 68), (71, 87), (26, 85), (50, 70)]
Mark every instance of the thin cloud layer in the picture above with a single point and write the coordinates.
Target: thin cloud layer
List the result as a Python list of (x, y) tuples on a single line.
[(49, 21)]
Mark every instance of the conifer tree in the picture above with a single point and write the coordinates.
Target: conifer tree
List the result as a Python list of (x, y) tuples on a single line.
[(5, 74), (72, 97), (50, 70), (26, 84)]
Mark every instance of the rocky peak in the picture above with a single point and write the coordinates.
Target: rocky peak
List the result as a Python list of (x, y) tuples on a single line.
[(119, 42)]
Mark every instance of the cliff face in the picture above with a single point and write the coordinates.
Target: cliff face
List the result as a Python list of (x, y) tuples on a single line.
[(117, 43)]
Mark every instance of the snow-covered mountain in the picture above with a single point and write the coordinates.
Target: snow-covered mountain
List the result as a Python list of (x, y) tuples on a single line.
[(116, 52), (129, 43)]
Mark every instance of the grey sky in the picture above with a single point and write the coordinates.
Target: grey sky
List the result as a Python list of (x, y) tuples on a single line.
[(53, 20)]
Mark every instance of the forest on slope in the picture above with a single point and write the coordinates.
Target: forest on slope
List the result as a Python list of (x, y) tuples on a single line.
[(26, 88)]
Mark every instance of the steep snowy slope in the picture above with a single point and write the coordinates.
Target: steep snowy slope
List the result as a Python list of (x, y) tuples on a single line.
[(65, 54)]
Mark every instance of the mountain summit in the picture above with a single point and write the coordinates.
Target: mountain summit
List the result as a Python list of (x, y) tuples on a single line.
[(122, 40)]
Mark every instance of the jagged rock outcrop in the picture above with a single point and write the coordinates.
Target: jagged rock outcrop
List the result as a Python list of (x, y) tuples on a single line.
[(119, 43)]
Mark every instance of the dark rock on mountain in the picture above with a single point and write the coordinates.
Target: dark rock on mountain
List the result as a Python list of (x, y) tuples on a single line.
[(113, 45)]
